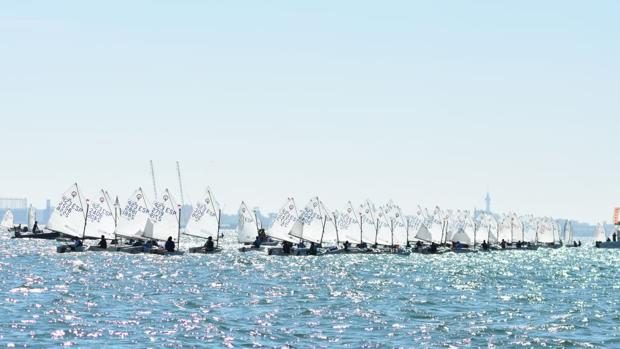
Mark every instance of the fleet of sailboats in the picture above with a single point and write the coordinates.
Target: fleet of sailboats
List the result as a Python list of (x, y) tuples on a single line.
[(365, 229)]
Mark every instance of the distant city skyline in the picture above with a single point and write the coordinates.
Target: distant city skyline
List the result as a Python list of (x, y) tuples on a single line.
[(410, 101)]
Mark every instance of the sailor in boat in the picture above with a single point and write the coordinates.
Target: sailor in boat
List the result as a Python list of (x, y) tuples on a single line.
[(209, 247), (362, 245), (575, 244), (312, 250), (146, 248), (102, 243), (503, 244), (347, 244), (262, 235), (485, 246), (579, 244), (35, 227), (257, 242), (287, 247), (519, 244), (614, 236), (169, 245), (77, 243), (433, 248), (301, 244)]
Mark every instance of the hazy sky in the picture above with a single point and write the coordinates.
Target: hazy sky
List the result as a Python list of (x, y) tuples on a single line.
[(421, 102)]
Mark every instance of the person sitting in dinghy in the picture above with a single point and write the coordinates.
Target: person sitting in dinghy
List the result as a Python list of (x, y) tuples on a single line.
[(77, 243), (347, 244), (146, 248), (209, 247), (312, 250), (103, 243), (503, 244), (169, 246), (35, 227), (485, 245), (257, 242)]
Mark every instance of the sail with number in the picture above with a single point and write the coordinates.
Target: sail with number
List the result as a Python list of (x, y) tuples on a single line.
[(247, 226), (384, 232), (134, 216), (284, 222), (330, 233), (7, 220), (205, 218), (398, 227), (69, 214), (348, 222), (466, 229), (309, 226), (100, 218), (369, 222), (163, 219), (545, 231)]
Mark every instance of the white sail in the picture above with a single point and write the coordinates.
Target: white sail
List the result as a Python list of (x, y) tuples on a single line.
[(32, 217), (100, 218), (69, 214), (424, 234), (247, 228), (309, 226), (205, 218), (505, 229), (7, 220), (330, 233), (437, 226), (545, 231), (284, 222), (398, 227), (465, 229), (134, 216), (413, 226), (163, 220), (348, 222), (369, 222), (384, 230), (568, 233), (599, 233)]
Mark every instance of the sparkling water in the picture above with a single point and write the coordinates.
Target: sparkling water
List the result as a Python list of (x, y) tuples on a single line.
[(566, 297)]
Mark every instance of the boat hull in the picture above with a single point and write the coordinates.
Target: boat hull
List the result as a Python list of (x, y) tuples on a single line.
[(45, 236), (201, 249), (608, 244), (69, 249)]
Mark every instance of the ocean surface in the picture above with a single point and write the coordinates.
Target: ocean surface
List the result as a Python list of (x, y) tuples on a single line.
[(567, 297)]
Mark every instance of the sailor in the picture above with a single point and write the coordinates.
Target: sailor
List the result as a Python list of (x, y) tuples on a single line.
[(614, 236), (312, 250), (286, 247), (362, 245), (209, 245), (579, 244), (347, 244), (35, 227), (575, 244), (608, 239), (169, 244), (301, 244), (519, 244), (433, 248), (263, 237), (484, 245), (146, 248), (77, 243), (503, 244), (257, 241), (103, 243)]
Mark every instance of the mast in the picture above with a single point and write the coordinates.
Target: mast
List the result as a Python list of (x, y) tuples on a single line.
[(85, 220), (180, 184), (336, 226), (217, 239), (153, 178), (179, 228)]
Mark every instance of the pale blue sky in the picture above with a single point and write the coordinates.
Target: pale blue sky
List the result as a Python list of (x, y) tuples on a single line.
[(422, 102)]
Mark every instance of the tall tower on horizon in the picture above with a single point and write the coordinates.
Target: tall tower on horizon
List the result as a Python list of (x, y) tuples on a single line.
[(487, 201)]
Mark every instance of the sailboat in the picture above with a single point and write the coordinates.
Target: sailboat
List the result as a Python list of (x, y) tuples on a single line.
[(601, 238), (69, 218), (101, 220), (163, 223), (204, 222), (132, 221), (283, 225), (368, 220), (547, 233), (569, 235), (247, 225), (7, 221)]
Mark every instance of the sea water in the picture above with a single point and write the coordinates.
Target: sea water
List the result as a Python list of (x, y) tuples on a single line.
[(567, 297)]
